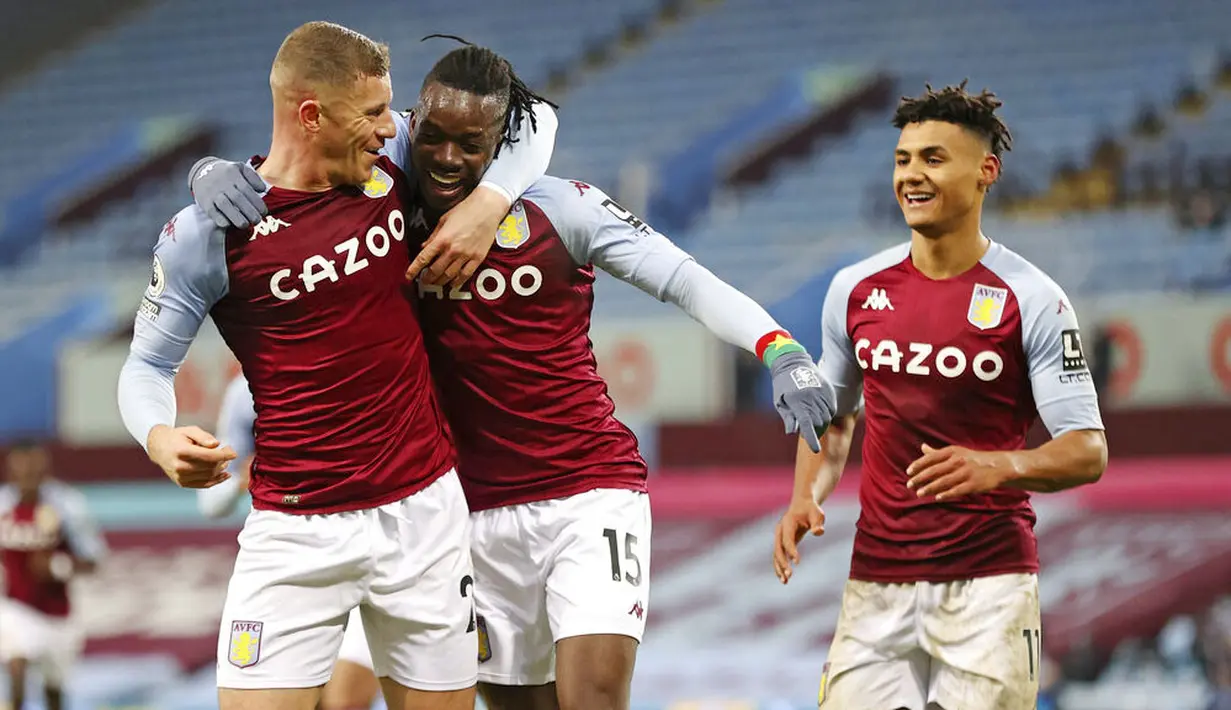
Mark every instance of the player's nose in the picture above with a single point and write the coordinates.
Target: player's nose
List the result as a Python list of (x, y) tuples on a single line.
[(386, 128), (450, 156)]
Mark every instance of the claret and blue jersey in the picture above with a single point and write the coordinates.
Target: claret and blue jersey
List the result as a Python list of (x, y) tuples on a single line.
[(971, 361)]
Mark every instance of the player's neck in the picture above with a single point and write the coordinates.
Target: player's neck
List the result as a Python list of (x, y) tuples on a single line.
[(431, 218), (948, 255), (292, 166)]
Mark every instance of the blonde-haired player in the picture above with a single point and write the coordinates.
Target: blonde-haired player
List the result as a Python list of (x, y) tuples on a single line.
[(356, 500)]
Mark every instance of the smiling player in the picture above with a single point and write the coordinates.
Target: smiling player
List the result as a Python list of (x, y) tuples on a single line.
[(957, 345), (556, 483)]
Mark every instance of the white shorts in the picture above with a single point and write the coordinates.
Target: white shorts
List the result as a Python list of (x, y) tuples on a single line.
[(405, 565), (968, 644), (52, 644), (354, 648), (558, 568)]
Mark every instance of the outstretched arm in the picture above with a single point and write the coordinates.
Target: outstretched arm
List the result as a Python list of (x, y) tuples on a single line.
[(597, 230)]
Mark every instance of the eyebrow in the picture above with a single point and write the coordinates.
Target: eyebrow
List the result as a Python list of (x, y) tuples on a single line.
[(927, 150), (468, 135)]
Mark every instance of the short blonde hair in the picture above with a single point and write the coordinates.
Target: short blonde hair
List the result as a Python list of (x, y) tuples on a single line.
[(327, 54)]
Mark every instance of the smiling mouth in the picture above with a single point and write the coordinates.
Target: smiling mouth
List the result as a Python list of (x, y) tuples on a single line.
[(444, 181), (915, 198)]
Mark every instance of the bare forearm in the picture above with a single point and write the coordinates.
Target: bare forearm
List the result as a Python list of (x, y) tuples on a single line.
[(817, 475), (1070, 460)]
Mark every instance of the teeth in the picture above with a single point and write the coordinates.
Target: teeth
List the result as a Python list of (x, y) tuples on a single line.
[(444, 180), (919, 196)]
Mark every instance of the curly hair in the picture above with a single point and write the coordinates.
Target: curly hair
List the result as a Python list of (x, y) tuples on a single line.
[(953, 104)]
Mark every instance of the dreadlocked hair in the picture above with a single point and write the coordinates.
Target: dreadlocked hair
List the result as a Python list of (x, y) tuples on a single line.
[(479, 70), (953, 104)]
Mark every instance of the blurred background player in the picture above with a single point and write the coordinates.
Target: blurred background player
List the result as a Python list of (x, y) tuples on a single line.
[(556, 483), (47, 538), (357, 499), (957, 345), (353, 684)]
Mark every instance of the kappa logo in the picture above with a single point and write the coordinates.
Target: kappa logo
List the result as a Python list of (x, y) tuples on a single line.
[(878, 300), (515, 229), (267, 226), (168, 230), (245, 643), (986, 306)]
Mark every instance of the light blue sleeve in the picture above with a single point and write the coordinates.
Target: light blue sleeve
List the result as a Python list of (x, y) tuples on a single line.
[(597, 230), (520, 165), (189, 275), (838, 363), (80, 531), (236, 419), (398, 148), (1060, 378)]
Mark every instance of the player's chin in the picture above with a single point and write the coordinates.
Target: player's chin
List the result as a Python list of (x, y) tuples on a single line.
[(918, 222), (367, 161), (440, 198)]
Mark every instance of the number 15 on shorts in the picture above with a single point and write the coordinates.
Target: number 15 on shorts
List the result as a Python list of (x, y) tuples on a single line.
[(625, 567)]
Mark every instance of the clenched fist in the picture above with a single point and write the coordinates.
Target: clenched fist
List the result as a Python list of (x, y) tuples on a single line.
[(189, 455)]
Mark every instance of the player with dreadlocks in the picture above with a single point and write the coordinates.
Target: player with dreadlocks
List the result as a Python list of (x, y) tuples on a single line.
[(357, 503), (956, 345), (555, 483)]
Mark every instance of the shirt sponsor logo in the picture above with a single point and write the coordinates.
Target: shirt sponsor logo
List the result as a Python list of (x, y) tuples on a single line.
[(318, 268), (950, 362)]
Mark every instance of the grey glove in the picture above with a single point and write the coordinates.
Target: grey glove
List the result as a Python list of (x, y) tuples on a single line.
[(230, 193), (805, 400)]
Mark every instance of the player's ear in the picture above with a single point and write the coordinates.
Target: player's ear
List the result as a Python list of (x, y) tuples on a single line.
[(310, 115), (989, 171)]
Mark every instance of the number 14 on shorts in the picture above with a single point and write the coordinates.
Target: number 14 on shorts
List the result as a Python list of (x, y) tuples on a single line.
[(1034, 650), (632, 574)]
